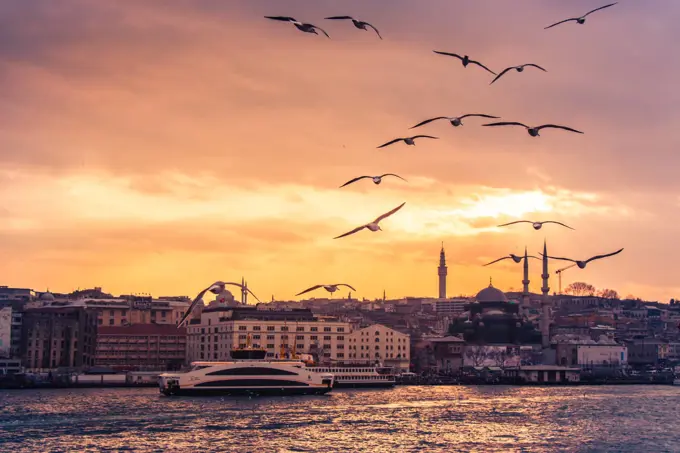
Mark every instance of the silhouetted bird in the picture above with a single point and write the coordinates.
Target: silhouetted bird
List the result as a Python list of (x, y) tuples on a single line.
[(519, 68), (330, 288), (580, 20), (373, 226), (307, 28), (515, 258), (215, 288), (536, 225), (407, 140), (376, 179), (466, 60), (582, 264), (361, 25), (455, 120), (533, 131)]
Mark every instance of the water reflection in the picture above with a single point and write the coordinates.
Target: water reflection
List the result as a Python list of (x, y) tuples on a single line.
[(404, 419)]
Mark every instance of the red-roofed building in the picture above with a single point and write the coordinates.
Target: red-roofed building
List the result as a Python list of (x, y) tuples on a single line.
[(141, 346)]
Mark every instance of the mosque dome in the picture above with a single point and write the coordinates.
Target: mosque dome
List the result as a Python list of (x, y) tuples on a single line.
[(491, 294), (47, 297)]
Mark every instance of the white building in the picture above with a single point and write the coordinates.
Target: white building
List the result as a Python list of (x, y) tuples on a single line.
[(601, 354), (378, 342), (453, 306), (219, 329), (5, 332)]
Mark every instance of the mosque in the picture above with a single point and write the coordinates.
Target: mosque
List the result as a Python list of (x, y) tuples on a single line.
[(493, 319)]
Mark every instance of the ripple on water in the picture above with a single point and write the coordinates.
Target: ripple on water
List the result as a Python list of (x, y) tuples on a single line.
[(404, 419)]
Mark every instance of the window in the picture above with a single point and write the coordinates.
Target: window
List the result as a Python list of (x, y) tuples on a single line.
[(300, 337), (341, 338), (284, 328), (300, 346), (110, 322), (270, 328), (256, 337), (341, 329), (270, 346), (241, 337), (341, 346), (341, 355), (327, 338), (256, 327), (270, 337), (313, 337), (313, 329), (326, 329), (300, 329), (284, 337)]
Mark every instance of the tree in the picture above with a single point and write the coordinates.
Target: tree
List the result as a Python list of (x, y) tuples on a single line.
[(477, 354), (580, 289), (608, 294)]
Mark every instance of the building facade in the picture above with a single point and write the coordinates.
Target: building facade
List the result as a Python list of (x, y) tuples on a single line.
[(380, 343), (141, 346), (53, 337)]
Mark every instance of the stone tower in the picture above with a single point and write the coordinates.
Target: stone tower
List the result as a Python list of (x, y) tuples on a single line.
[(442, 272)]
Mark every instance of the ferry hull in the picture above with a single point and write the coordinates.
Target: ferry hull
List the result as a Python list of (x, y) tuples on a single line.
[(360, 385), (245, 391)]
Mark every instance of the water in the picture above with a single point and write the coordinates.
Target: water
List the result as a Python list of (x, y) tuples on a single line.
[(403, 419)]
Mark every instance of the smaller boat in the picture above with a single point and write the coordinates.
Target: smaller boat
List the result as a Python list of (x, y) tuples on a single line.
[(359, 375), (248, 374)]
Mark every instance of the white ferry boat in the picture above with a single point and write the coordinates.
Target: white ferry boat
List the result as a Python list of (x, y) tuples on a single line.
[(247, 374), (358, 376)]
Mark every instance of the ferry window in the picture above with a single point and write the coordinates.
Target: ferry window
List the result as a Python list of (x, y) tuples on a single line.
[(252, 371)]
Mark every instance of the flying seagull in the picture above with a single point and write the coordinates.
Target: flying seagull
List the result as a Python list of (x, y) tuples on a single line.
[(515, 258), (373, 226), (307, 28), (519, 68), (533, 131), (407, 140), (330, 288), (455, 120), (376, 179), (581, 20), (361, 25), (582, 264), (215, 288), (466, 60), (536, 225)]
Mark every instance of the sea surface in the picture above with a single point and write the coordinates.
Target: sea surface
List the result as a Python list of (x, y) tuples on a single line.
[(643, 419)]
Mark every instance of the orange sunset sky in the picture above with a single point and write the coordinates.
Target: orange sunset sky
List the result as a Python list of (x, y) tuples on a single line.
[(157, 146)]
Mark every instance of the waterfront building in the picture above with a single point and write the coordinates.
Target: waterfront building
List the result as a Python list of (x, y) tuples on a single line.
[(541, 374), (5, 332), (380, 343), (54, 337), (448, 353), (218, 329), (585, 352), (142, 346)]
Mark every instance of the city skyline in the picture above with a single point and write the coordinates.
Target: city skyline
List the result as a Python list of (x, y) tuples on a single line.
[(149, 150)]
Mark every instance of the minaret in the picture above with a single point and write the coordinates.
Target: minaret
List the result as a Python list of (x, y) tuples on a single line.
[(442, 271), (526, 304), (545, 302), (384, 296)]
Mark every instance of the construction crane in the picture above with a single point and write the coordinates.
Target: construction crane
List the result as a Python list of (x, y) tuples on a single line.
[(559, 273)]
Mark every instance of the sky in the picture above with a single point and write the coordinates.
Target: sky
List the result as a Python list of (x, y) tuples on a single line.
[(156, 149)]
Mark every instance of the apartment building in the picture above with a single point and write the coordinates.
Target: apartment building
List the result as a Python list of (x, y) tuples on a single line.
[(378, 342), (141, 346)]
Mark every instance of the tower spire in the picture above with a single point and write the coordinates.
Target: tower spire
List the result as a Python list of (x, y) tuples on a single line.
[(525, 282), (442, 272), (545, 302)]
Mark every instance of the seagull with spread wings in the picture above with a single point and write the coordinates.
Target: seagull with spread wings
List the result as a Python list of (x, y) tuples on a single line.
[(533, 131), (454, 120), (361, 25), (408, 140), (519, 68), (330, 288), (372, 226), (215, 288), (515, 258), (536, 225), (465, 60), (580, 20), (376, 179), (307, 28), (582, 264)]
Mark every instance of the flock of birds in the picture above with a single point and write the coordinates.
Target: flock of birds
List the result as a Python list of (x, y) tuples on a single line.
[(456, 121)]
